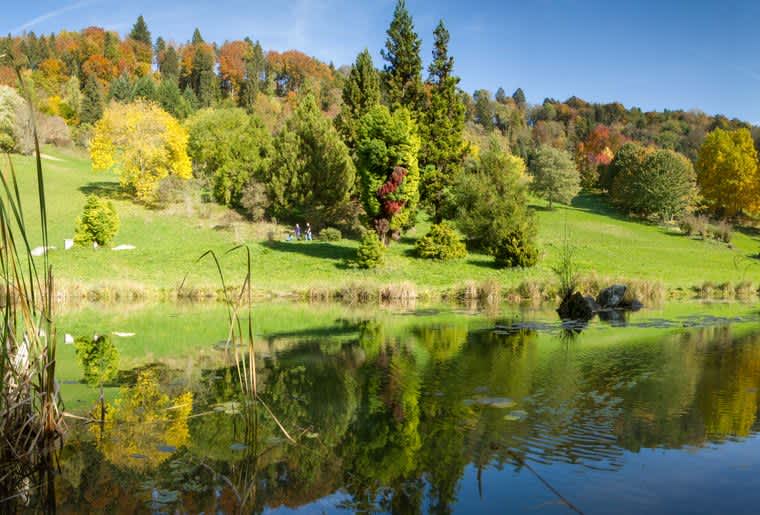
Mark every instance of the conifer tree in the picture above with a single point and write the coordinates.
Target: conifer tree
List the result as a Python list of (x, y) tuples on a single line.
[(169, 65), (442, 128), (255, 75), (140, 31), (197, 38), (145, 89), (121, 89), (92, 101), (203, 78), (403, 84), (361, 92)]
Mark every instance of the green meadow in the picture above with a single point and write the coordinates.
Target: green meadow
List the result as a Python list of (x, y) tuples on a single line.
[(169, 242)]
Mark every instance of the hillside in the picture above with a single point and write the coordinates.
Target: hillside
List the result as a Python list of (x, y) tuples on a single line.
[(168, 243)]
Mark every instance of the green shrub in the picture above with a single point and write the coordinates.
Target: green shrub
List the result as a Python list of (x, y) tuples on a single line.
[(98, 222), (330, 234), (515, 249), (442, 242), (371, 252)]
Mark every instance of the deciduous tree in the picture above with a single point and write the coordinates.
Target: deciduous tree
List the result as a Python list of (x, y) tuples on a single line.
[(143, 144), (727, 171), (555, 176)]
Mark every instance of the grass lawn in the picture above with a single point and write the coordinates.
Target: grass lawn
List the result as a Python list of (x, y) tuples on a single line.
[(169, 242)]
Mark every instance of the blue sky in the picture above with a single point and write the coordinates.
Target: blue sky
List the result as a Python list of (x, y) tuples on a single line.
[(653, 54)]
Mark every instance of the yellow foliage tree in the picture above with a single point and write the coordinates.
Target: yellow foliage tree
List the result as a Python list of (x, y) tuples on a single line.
[(143, 144), (727, 172), (144, 424)]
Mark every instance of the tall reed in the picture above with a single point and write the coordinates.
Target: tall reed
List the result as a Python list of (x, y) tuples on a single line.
[(30, 407)]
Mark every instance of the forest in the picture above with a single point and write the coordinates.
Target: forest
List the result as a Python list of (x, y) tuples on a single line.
[(363, 150)]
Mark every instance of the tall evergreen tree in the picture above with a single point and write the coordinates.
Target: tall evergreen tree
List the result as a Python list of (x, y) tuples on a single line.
[(442, 127), (361, 92), (140, 32), (92, 101), (121, 89), (203, 78), (255, 75), (111, 46), (169, 65), (197, 38), (519, 97), (171, 99), (145, 89), (403, 84), (159, 47)]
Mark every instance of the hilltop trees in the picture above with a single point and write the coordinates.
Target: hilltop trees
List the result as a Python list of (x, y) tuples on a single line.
[(387, 150), (727, 171), (555, 177), (143, 144), (312, 175)]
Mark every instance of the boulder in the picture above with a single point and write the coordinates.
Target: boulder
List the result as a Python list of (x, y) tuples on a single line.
[(577, 307), (617, 296)]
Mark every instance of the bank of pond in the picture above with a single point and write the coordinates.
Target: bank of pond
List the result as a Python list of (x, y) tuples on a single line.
[(409, 410)]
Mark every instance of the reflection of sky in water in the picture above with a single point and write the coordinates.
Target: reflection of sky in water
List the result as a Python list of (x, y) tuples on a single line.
[(713, 479)]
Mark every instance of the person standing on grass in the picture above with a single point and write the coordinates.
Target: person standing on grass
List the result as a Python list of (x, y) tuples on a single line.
[(308, 231), (298, 232)]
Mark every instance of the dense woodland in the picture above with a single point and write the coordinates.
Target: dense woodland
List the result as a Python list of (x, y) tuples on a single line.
[(361, 148)]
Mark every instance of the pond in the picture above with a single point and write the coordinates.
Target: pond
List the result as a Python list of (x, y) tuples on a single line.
[(417, 410)]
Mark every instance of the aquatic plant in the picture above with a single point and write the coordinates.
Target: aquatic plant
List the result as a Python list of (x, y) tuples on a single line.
[(30, 408)]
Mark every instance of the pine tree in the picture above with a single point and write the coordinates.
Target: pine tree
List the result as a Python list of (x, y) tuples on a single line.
[(111, 47), (501, 96), (169, 66), (443, 146), (403, 85), (171, 100), (121, 89), (159, 47), (140, 31), (197, 38), (145, 89), (189, 95), (361, 92), (519, 97), (255, 76), (203, 78), (92, 101)]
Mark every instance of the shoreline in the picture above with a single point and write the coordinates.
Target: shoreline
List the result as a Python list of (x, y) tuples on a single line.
[(489, 291)]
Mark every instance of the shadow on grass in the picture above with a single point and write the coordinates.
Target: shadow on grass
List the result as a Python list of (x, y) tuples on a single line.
[(108, 190), (597, 203), (490, 264), (314, 249)]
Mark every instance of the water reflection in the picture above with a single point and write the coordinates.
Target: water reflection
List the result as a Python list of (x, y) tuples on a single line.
[(392, 417)]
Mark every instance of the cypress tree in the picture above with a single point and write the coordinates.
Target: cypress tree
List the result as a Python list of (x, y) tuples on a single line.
[(403, 85), (443, 146), (361, 92), (140, 31), (92, 101)]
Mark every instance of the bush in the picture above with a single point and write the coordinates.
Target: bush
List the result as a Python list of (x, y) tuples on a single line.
[(442, 242), (694, 225), (722, 231), (371, 252), (255, 200), (515, 249), (172, 190), (330, 234), (98, 222)]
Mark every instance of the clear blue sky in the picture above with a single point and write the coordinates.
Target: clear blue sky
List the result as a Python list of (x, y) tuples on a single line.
[(653, 54)]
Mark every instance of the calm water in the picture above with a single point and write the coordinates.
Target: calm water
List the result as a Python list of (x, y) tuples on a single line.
[(412, 412)]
